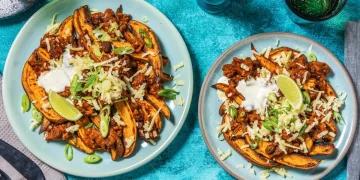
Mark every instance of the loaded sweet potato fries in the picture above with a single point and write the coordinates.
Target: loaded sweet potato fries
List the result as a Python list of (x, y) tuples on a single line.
[(275, 132), (114, 67)]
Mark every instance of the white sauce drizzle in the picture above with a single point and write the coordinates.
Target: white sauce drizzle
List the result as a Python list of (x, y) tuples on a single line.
[(57, 79)]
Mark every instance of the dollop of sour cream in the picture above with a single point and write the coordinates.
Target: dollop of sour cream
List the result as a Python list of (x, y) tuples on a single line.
[(58, 79), (255, 91)]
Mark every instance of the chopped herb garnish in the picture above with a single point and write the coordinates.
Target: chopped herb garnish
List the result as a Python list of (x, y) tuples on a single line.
[(68, 151), (25, 103), (124, 50), (306, 97), (90, 81), (89, 125), (242, 114), (121, 100), (144, 35), (338, 118), (255, 144), (312, 56), (233, 112), (302, 130), (168, 93)]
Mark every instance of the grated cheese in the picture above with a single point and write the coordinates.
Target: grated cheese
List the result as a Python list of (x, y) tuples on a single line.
[(267, 53), (226, 155), (298, 55), (327, 117), (256, 53), (245, 67), (300, 65), (73, 48), (240, 166), (118, 120), (331, 134), (73, 128), (310, 127), (304, 78), (153, 120), (44, 98), (47, 44), (106, 62), (244, 146), (178, 66), (148, 71), (129, 142), (323, 133), (180, 83), (152, 142)]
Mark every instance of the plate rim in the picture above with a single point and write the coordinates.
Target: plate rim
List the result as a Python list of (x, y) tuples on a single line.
[(144, 161), (221, 58)]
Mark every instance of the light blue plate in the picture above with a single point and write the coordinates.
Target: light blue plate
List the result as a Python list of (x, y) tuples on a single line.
[(52, 152), (209, 105)]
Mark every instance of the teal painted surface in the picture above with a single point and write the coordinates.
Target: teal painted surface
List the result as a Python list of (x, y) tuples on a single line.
[(207, 36)]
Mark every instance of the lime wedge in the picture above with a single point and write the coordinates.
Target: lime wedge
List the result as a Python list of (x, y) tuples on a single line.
[(290, 90), (63, 107)]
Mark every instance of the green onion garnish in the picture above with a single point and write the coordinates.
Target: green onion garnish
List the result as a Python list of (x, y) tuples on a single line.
[(338, 118), (97, 51), (312, 56), (36, 115), (105, 120), (124, 50), (89, 125), (272, 97), (25, 103), (306, 97), (302, 130), (75, 86), (68, 151), (121, 100), (144, 35), (289, 55), (232, 111), (168, 93), (91, 159), (242, 114), (90, 81), (255, 144)]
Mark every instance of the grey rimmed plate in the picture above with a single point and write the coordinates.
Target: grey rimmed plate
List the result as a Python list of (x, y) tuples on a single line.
[(52, 153), (209, 105)]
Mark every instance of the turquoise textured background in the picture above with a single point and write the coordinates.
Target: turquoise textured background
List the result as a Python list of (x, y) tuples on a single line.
[(207, 36)]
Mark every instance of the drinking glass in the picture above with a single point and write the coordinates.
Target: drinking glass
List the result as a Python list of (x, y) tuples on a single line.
[(213, 6), (306, 11)]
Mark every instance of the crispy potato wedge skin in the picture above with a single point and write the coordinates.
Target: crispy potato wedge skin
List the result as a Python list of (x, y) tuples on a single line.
[(278, 51), (261, 149), (78, 143), (156, 61), (298, 161), (269, 65), (165, 111), (247, 153), (153, 110), (322, 149), (130, 129), (236, 96), (222, 109), (66, 31), (37, 93), (44, 125)]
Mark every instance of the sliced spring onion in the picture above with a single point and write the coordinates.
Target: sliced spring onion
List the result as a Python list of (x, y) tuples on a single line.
[(105, 120), (287, 105), (306, 97), (338, 118), (92, 159), (168, 93), (121, 100), (25, 103), (124, 50), (242, 114), (233, 112), (145, 37), (145, 19), (101, 35), (273, 112), (68, 151), (97, 51), (113, 26), (90, 81), (104, 128), (106, 85), (36, 115), (75, 86), (272, 97), (288, 55), (89, 125), (255, 144), (312, 56), (302, 130)]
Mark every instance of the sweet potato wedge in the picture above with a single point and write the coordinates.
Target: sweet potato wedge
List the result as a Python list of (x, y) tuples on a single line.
[(135, 41), (66, 31), (78, 143), (310, 83), (261, 149), (152, 111), (222, 109), (82, 22), (44, 125), (235, 95), (247, 153), (269, 65), (322, 149), (37, 93), (130, 129), (165, 111), (275, 53), (298, 161), (156, 60)]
